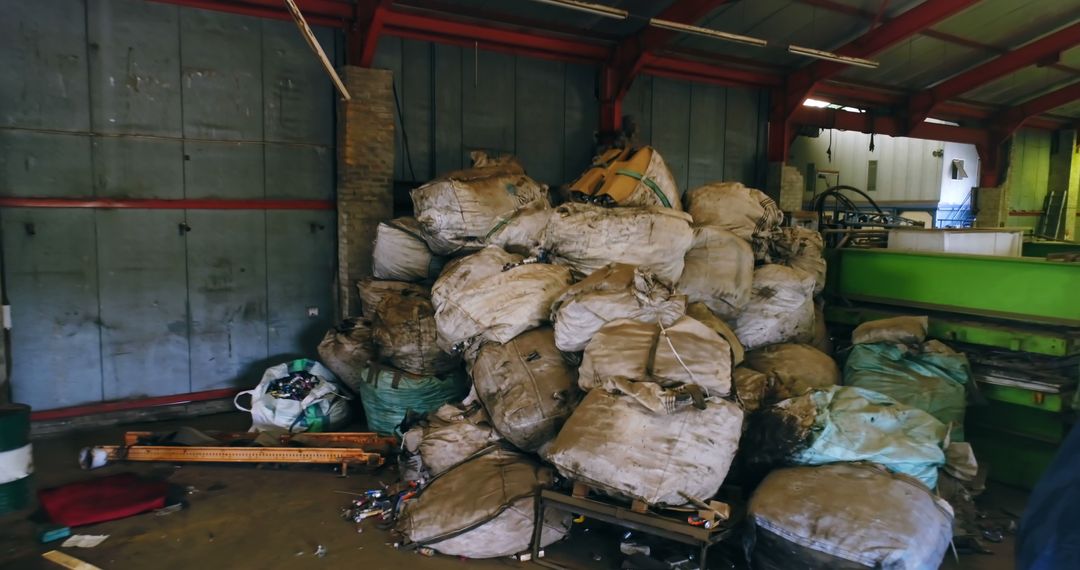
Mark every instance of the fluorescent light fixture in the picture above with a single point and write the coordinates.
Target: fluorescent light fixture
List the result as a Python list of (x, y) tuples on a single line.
[(816, 103), (709, 33), (588, 7), (830, 56)]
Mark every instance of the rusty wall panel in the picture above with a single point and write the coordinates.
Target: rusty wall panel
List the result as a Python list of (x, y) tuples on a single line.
[(43, 79), (221, 58), (143, 298), (51, 280), (226, 261), (134, 49)]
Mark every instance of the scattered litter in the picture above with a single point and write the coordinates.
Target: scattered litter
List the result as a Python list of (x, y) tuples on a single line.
[(68, 561), (191, 489), (84, 540), (165, 511), (425, 551), (320, 551), (53, 532)]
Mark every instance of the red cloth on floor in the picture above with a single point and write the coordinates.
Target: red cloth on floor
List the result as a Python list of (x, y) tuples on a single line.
[(103, 499)]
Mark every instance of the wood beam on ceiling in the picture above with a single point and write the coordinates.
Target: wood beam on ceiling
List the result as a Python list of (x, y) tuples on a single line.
[(923, 104), (636, 52)]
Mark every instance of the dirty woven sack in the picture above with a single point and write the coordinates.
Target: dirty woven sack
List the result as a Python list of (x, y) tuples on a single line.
[(793, 369), (322, 406), (616, 445), (617, 291), (483, 508), (928, 376), (460, 213), (899, 330), (387, 393), (346, 349), (843, 424), (521, 231), (847, 517), (400, 252), (491, 295), (373, 291), (781, 308), (750, 386), (452, 434), (708, 318), (585, 238), (800, 248), (687, 352), (526, 385), (719, 271), (632, 176), (405, 333), (746, 212)]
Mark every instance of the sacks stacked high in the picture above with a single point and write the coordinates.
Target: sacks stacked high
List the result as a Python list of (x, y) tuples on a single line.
[(632, 380)]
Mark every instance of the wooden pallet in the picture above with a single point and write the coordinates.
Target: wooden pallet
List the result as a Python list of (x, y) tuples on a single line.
[(345, 449), (582, 490)]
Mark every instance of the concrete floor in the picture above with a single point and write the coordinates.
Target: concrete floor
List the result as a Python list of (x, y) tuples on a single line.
[(275, 518)]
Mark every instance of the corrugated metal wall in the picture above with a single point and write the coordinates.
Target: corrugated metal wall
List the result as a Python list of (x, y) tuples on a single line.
[(1028, 176), (136, 99), (455, 100), (908, 173)]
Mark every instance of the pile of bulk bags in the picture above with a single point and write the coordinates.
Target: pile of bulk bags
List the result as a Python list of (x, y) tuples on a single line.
[(633, 340)]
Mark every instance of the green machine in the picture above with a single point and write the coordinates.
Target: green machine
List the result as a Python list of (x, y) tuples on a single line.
[(1018, 320)]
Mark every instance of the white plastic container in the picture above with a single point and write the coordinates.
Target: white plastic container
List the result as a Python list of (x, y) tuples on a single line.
[(1001, 242)]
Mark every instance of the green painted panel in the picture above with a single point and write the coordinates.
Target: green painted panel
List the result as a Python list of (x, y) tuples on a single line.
[(44, 164), (229, 170), (708, 105), (1051, 341), (389, 56), (1013, 288), (301, 261), (138, 167), (447, 112), (298, 97), (671, 126), (580, 116), (487, 103), (1026, 398), (414, 91), (742, 147), (539, 108), (299, 171)]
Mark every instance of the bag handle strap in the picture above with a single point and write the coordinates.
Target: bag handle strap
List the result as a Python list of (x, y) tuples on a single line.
[(648, 182), (236, 399)]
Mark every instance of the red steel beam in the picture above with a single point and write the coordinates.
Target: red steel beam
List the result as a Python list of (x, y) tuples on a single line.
[(689, 70), (1015, 117), (258, 10), (137, 404), (428, 28), (155, 204), (891, 126), (366, 42), (634, 53), (924, 104)]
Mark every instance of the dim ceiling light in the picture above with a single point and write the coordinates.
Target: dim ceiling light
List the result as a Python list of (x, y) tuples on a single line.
[(830, 56), (589, 7), (707, 32)]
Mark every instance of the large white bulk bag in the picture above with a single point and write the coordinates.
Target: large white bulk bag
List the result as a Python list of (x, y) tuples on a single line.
[(453, 434), (793, 369), (719, 271), (483, 508), (781, 308), (800, 248), (373, 291), (526, 385), (491, 294), (585, 238), (521, 231), (687, 352), (746, 212), (404, 331), (400, 252), (847, 516), (617, 291), (616, 445), (458, 212)]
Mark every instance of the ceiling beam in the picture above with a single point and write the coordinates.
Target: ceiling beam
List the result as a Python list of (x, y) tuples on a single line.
[(923, 104), (874, 41), (317, 12), (892, 126), (634, 53), (1015, 117)]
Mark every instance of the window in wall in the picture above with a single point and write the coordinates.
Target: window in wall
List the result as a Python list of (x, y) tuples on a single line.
[(871, 176)]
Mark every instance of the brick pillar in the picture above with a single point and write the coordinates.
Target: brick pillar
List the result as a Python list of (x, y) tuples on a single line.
[(784, 183), (365, 167)]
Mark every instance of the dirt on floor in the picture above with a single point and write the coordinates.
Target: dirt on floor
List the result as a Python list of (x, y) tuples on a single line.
[(242, 516)]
